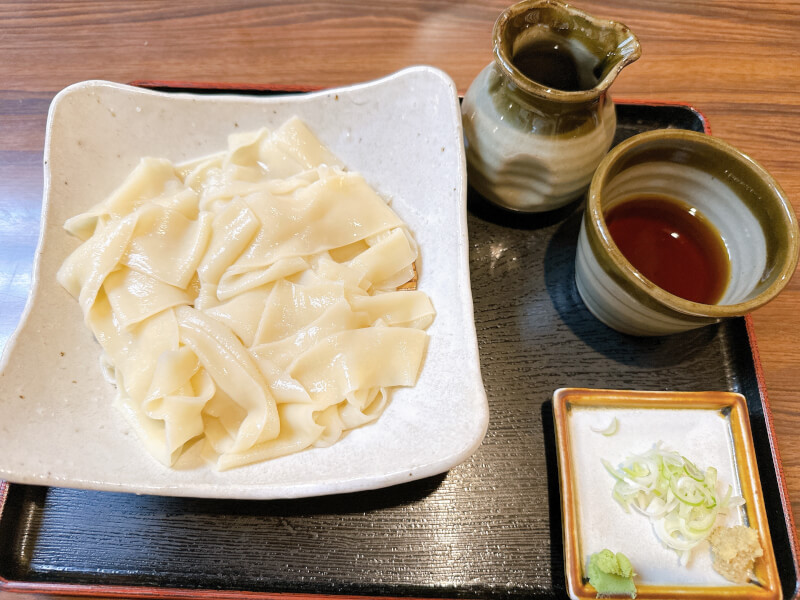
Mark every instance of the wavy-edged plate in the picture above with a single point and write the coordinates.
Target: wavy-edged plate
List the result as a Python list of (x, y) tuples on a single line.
[(402, 132)]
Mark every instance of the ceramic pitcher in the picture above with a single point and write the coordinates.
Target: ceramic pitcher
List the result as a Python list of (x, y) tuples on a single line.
[(539, 119)]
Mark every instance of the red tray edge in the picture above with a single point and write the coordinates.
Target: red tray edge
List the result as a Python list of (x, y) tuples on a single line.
[(119, 591), (776, 455)]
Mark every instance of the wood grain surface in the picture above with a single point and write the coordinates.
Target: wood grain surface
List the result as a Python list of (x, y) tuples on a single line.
[(737, 62)]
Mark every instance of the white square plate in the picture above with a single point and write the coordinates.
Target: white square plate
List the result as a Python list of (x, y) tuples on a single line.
[(403, 133), (709, 428)]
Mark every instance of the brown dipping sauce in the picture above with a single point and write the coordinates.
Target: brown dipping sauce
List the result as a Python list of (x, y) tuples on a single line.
[(554, 63), (673, 245)]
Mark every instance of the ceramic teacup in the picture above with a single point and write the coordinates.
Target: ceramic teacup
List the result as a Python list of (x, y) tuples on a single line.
[(736, 195)]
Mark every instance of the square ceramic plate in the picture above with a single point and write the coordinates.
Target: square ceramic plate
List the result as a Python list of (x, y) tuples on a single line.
[(709, 428), (403, 133)]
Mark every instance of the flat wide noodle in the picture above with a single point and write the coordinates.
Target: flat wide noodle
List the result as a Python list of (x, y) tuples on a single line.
[(246, 301)]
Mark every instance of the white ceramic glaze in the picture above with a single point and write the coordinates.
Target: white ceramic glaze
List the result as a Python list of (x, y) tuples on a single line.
[(728, 188), (703, 436), (403, 133)]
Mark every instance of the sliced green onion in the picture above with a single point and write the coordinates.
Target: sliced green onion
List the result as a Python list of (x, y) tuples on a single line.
[(610, 430), (692, 471), (684, 491), (637, 470), (680, 499), (612, 471), (711, 476)]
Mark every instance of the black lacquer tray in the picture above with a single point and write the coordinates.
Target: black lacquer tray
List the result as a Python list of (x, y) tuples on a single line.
[(490, 527)]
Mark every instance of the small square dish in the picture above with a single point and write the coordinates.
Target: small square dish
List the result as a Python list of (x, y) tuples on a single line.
[(402, 133), (711, 429)]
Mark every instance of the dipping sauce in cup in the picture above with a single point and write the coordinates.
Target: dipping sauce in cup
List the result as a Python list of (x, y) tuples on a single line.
[(673, 245), (682, 230)]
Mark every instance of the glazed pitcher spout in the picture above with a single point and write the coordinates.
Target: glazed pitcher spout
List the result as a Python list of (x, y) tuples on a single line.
[(554, 51), (539, 119)]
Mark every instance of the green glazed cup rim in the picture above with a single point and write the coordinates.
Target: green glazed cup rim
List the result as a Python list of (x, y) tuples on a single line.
[(784, 266)]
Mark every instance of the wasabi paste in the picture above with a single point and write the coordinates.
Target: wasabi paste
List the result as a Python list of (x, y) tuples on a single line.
[(611, 574)]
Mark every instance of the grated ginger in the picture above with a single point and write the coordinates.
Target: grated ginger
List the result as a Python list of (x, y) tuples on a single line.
[(734, 550)]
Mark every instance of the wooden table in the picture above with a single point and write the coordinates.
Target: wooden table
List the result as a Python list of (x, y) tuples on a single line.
[(738, 63)]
